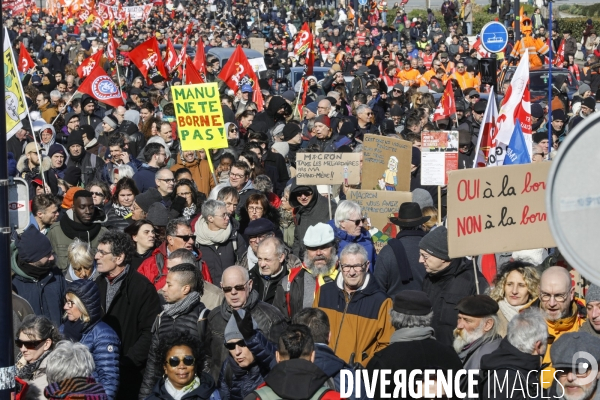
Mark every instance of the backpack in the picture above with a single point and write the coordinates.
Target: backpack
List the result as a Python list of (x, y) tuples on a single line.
[(266, 393)]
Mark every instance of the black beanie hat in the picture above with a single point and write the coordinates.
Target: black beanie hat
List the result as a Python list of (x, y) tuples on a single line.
[(30, 253), (90, 133), (72, 175), (76, 137), (290, 131)]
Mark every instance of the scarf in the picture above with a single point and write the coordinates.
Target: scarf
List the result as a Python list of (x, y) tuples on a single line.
[(412, 334), (508, 310), (252, 258), (72, 229), (178, 394), (189, 212), (206, 237), (34, 272), (75, 388), (286, 217), (120, 210), (73, 330), (26, 371), (182, 305), (469, 349), (77, 159)]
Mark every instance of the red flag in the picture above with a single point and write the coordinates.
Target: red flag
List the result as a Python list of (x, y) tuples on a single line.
[(171, 63), (25, 60), (190, 74), (99, 85), (304, 45), (111, 46), (88, 65), (147, 58), (200, 58), (487, 131), (560, 54), (238, 72), (183, 52), (447, 106)]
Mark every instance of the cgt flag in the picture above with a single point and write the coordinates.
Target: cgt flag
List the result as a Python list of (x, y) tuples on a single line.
[(148, 60), (89, 64), (15, 107), (25, 61), (99, 85), (447, 105), (304, 45), (238, 72), (487, 131), (516, 151)]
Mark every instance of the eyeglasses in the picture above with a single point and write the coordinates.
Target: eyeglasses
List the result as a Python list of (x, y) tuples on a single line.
[(260, 238), (104, 253), (255, 209), (238, 288), (69, 303), (238, 176), (359, 267), (305, 193), (187, 360), (99, 194), (368, 114), (397, 90), (231, 346), (357, 221), (224, 216), (167, 180), (560, 298), (186, 238), (29, 345)]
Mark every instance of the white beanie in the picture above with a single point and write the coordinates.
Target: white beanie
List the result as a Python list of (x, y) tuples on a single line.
[(282, 148)]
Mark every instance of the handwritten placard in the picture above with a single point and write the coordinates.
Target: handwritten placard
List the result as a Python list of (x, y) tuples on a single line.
[(328, 168), (258, 44), (386, 163), (377, 205), (498, 209)]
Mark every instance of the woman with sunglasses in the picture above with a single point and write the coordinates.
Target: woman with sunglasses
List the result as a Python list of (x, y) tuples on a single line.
[(185, 189), (118, 211), (36, 338), (143, 234), (179, 371), (199, 169), (350, 226), (100, 192), (83, 323)]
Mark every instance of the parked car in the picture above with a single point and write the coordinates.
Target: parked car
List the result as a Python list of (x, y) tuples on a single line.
[(538, 81)]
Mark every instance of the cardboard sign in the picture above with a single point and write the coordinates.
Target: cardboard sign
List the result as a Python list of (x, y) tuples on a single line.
[(439, 155), (258, 44), (377, 205), (499, 209), (328, 168), (199, 116), (386, 163)]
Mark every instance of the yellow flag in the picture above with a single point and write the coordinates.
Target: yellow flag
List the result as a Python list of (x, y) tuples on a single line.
[(15, 107)]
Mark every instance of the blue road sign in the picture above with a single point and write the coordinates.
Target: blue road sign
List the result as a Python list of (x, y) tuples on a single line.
[(494, 37), (362, 2)]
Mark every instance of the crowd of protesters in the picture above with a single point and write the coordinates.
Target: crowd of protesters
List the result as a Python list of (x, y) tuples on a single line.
[(142, 274)]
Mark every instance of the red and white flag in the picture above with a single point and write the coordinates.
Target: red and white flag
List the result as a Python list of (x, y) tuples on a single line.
[(25, 61), (171, 62), (102, 88), (487, 131), (560, 54), (200, 58), (447, 105), (111, 46), (183, 52), (304, 47), (479, 48), (147, 58), (88, 65), (515, 104), (238, 72)]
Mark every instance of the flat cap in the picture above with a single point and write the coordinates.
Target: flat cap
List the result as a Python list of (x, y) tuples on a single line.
[(478, 305), (318, 235), (480, 106), (412, 302), (568, 344)]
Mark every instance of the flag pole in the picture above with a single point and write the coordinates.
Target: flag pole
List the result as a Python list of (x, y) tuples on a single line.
[(439, 211), (37, 150), (298, 97), (66, 104), (550, 79), (116, 63)]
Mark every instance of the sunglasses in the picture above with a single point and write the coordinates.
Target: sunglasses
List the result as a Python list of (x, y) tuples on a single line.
[(99, 194), (231, 346), (306, 193), (238, 288), (187, 360), (29, 345), (358, 221), (186, 238)]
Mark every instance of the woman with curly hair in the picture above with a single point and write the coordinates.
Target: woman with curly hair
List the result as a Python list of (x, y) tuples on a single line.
[(179, 370), (119, 209), (515, 285), (151, 127), (193, 200)]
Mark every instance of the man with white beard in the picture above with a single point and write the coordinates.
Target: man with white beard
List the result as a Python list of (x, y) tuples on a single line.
[(476, 333), (577, 377)]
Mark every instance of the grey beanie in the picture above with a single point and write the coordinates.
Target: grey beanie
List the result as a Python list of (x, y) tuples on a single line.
[(232, 331), (158, 214), (584, 88), (436, 243), (422, 197), (593, 294)]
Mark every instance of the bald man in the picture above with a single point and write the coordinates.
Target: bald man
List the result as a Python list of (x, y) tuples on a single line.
[(562, 311)]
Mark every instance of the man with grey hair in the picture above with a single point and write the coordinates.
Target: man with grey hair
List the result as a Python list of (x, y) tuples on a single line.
[(592, 302), (518, 358), (414, 338), (239, 294), (363, 326), (165, 181), (70, 365)]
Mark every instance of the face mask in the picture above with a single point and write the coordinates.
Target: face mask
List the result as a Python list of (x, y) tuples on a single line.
[(314, 88)]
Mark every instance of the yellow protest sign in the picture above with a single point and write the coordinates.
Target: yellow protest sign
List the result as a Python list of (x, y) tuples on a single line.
[(15, 107), (199, 116)]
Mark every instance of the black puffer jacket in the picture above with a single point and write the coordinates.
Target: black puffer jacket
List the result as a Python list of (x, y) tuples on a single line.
[(317, 210), (165, 326), (269, 319), (445, 289), (206, 390)]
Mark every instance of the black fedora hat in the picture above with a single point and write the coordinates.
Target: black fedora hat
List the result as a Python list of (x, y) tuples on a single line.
[(409, 216)]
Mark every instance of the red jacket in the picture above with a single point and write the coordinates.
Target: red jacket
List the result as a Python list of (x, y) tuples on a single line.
[(158, 275)]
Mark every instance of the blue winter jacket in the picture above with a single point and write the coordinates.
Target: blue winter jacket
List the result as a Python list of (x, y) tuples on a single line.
[(331, 364), (98, 337), (364, 239), (235, 383), (144, 178)]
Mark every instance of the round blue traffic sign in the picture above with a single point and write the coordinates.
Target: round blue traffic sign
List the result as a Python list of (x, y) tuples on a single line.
[(362, 2), (494, 37)]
